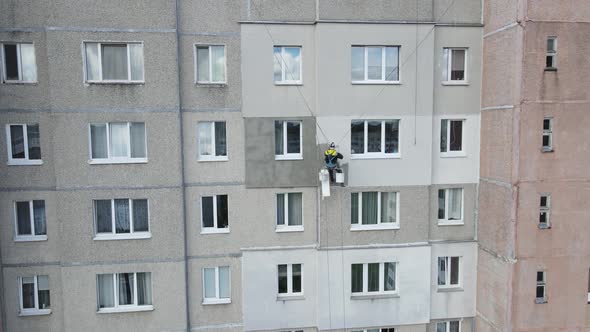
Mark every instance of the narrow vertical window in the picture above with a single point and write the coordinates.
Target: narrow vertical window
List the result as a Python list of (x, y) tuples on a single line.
[(212, 141), (287, 64), (455, 65), (19, 63), (214, 214), (210, 64), (288, 140), (547, 135), (451, 137), (113, 62), (544, 211), (216, 285), (30, 221), (541, 295), (23, 144), (450, 206), (34, 295), (124, 291), (551, 56), (289, 212), (290, 280)]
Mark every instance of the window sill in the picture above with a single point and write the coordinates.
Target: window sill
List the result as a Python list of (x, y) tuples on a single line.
[(24, 162), (211, 84), (366, 296), (208, 159), (215, 301), (115, 82), (109, 237), (31, 238), (449, 289), (455, 83), (540, 301), (289, 157), (20, 82), (40, 312), (376, 156), (123, 310), (457, 154), (288, 83), (550, 69), (543, 226), (450, 223), (117, 161), (376, 83), (288, 229), (297, 297), (378, 227), (546, 150), (215, 231)]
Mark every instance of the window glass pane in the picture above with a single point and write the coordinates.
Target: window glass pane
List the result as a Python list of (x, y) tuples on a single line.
[(543, 217), (374, 62), (370, 212), (27, 57), (458, 65), (392, 136), (540, 276), (136, 61), (114, 62), (374, 136), (11, 62), (17, 142), (295, 209), (441, 204), (443, 135), (455, 202), (354, 208), (34, 141), (122, 216), (280, 209), (389, 276), (138, 140), (220, 139), (43, 292), (23, 218), (442, 271), (28, 292), (441, 327), (550, 44), (357, 71), (357, 137), (356, 278), (292, 57), (209, 280), (103, 212), (39, 217), (546, 124), (454, 270), (106, 298), (456, 143), (454, 326), (207, 206), (296, 278), (391, 63), (218, 63), (119, 139), (445, 64), (544, 201), (125, 288), (203, 64), (222, 211), (293, 137), (98, 138), (388, 207), (278, 69), (546, 140), (283, 279), (279, 138), (540, 292), (92, 65), (549, 61), (205, 139), (140, 215), (373, 277), (224, 291), (144, 288)]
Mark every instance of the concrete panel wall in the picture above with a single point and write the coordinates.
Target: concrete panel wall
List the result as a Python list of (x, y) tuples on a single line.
[(210, 15), (280, 10), (494, 292), (375, 10), (456, 232), (497, 144), (463, 11)]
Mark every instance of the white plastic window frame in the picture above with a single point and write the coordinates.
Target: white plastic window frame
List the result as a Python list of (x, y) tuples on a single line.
[(101, 80), (449, 153), (3, 69), (213, 156), (381, 290), (31, 311), (214, 229), (547, 133), (285, 71), (366, 79), (32, 237), (448, 284), (551, 53), (290, 292), (286, 155), (117, 160), (545, 209), (446, 221), (449, 65), (543, 284), (18, 161), (113, 235), (382, 154), (217, 299), (210, 65), (286, 227), (126, 307), (380, 225), (448, 324)]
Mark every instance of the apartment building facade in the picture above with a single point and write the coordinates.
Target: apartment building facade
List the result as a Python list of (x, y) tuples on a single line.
[(160, 170), (533, 259)]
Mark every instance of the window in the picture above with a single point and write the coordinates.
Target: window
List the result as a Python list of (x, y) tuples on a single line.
[(23, 144), (290, 212), (374, 138), (121, 219), (451, 138), (450, 206), (288, 137), (541, 295), (455, 65), (214, 214), (212, 141), (114, 62), (547, 135), (373, 278), (449, 326), (287, 64), (34, 295), (544, 209), (18, 63), (448, 272), (210, 64), (216, 289), (118, 142), (124, 292), (375, 64), (371, 209), (290, 277), (388, 329), (551, 56), (30, 221)]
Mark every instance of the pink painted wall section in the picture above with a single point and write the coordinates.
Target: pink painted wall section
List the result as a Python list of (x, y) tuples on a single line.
[(562, 10)]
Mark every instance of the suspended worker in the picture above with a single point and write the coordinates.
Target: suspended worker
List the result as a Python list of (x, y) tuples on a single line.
[(331, 157)]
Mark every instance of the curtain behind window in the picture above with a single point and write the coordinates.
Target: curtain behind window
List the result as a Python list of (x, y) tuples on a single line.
[(125, 288), (122, 223), (43, 292), (98, 140), (224, 291), (373, 275), (205, 139), (370, 212), (218, 63), (442, 271), (455, 198), (103, 210), (23, 218), (295, 209), (39, 217), (279, 138), (209, 280), (114, 62), (17, 142), (136, 61), (203, 64), (280, 209), (106, 291), (119, 139), (220, 139), (92, 65), (144, 288), (137, 136), (388, 207), (28, 63), (389, 276), (34, 141)]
